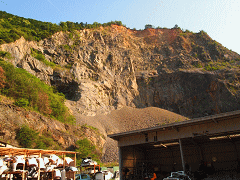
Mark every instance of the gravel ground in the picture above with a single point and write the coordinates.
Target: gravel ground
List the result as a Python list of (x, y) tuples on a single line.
[(125, 119)]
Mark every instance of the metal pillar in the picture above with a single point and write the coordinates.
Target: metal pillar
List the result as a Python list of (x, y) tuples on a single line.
[(120, 162), (182, 156)]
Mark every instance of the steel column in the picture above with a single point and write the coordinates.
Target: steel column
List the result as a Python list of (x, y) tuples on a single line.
[(182, 156), (120, 162)]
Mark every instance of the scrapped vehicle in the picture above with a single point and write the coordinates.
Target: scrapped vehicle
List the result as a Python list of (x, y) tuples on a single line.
[(88, 162), (179, 175), (82, 176), (103, 175)]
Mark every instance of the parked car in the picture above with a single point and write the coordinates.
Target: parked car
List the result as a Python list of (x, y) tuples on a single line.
[(179, 175), (82, 176)]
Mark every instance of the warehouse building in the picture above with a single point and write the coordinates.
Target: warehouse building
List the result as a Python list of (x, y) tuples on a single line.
[(209, 145)]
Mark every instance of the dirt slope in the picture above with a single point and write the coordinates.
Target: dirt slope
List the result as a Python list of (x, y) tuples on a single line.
[(126, 119)]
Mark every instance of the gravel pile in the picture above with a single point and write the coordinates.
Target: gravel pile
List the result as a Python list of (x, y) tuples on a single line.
[(126, 119)]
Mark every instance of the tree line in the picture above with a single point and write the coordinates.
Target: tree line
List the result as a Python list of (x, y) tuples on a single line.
[(12, 27)]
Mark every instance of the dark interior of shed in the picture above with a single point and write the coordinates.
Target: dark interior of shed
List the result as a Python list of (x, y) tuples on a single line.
[(204, 156)]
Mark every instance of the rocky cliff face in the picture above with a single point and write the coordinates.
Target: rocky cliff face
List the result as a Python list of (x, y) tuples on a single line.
[(189, 93), (112, 67)]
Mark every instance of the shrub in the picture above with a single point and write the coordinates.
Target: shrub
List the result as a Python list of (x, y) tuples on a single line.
[(4, 54), (216, 66), (211, 68), (198, 65), (43, 142), (29, 138), (26, 136), (22, 102), (38, 55)]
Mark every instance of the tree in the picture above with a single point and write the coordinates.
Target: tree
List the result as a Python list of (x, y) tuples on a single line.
[(43, 103), (2, 78), (63, 25), (86, 149), (148, 26)]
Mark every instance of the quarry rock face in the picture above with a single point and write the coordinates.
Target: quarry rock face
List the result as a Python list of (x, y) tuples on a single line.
[(111, 68), (192, 94), (104, 69)]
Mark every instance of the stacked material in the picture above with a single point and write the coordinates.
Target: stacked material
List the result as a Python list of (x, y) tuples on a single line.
[(34, 165)]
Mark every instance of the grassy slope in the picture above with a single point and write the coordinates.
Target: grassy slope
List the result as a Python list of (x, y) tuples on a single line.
[(30, 92)]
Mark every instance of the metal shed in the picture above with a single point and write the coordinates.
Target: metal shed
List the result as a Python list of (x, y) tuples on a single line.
[(212, 142)]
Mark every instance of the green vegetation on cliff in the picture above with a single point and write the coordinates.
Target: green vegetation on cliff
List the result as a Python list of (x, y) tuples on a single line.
[(13, 27), (29, 138), (38, 55), (28, 91)]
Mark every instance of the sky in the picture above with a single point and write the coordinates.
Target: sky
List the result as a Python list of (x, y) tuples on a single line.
[(219, 18)]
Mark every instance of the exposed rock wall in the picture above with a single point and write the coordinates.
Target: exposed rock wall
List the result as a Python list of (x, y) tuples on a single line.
[(189, 93), (108, 68)]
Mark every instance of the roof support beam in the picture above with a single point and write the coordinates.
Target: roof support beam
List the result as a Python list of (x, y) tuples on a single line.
[(120, 162), (182, 156)]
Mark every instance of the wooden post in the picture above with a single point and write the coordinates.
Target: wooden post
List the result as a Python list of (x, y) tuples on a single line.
[(9, 175), (182, 156), (65, 174), (75, 164), (75, 160), (23, 175), (64, 161), (40, 156)]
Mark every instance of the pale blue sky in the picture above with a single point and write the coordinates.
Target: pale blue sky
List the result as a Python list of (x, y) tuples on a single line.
[(219, 18)]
